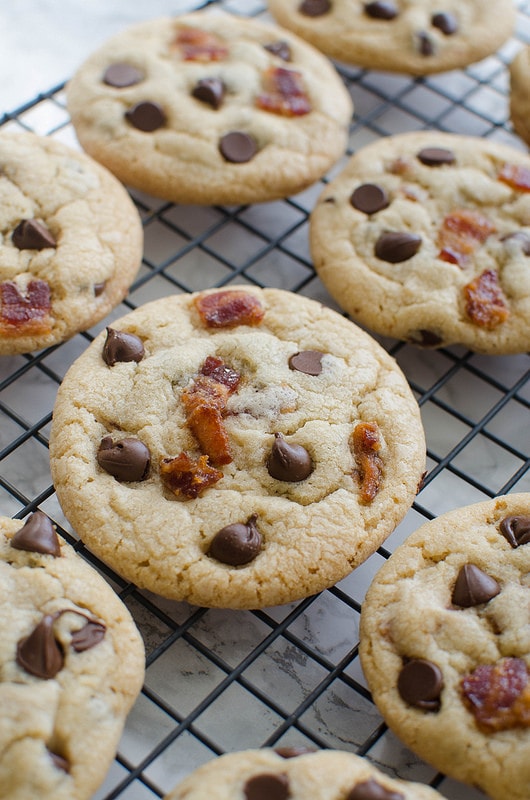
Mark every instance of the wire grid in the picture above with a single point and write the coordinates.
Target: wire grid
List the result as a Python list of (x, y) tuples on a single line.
[(219, 681)]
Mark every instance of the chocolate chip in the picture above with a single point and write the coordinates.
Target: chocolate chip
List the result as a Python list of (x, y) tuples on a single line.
[(307, 361), (369, 198), (126, 460), (288, 462), (425, 338), (37, 535), (146, 116), (236, 544), (237, 147), (314, 8), (99, 288), (381, 9), (473, 587), (516, 529), (122, 74), (293, 751), (420, 683), (396, 246), (59, 762), (425, 44), (445, 22), (88, 636), (30, 234), (122, 347), (39, 653), (521, 237), (267, 786), (280, 48), (371, 790), (436, 156), (210, 91)]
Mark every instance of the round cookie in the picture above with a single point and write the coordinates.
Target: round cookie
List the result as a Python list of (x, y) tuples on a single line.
[(70, 242), (425, 236), (236, 448), (520, 93), (445, 644), (297, 774), (412, 36), (211, 108), (71, 666)]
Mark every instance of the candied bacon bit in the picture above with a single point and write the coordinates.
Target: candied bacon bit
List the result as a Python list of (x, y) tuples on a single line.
[(198, 45), (216, 369), (284, 93), (366, 443), (188, 476), (516, 176), (486, 304), (25, 313), (229, 308), (498, 695), (461, 233)]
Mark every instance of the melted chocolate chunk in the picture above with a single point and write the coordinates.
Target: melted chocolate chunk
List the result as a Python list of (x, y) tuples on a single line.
[(371, 790), (210, 91), (37, 535), (236, 544), (516, 529), (436, 156), (425, 338), (126, 460), (120, 346), (293, 751), (39, 653), (267, 786), (473, 587), (288, 462), (397, 246), (307, 361), (280, 48), (59, 762), (122, 74), (369, 198), (237, 147), (521, 237), (445, 22), (88, 636), (147, 116), (381, 9), (425, 44), (30, 234), (314, 8), (420, 683)]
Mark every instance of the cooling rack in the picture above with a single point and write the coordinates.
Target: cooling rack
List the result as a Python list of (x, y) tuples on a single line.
[(219, 681)]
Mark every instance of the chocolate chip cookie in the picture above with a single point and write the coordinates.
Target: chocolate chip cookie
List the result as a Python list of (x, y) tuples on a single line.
[(211, 108), (445, 644), (520, 93), (425, 237), (297, 774), (71, 666), (412, 36), (236, 448), (70, 242)]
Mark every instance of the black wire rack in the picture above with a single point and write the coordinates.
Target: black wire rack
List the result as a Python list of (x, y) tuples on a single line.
[(219, 681)]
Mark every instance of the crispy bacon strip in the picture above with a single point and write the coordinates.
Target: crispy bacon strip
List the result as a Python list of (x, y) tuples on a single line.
[(284, 93), (461, 233), (486, 304), (498, 695), (229, 308), (366, 443), (25, 314), (516, 176), (188, 476), (198, 45)]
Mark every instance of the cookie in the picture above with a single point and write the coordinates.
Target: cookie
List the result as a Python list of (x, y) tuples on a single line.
[(445, 644), (411, 36), (425, 237), (237, 448), (297, 774), (520, 93), (71, 666), (211, 108), (70, 241)]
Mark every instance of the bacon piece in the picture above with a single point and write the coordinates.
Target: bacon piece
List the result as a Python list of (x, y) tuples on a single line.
[(25, 314), (461, 233), (516, 176), (486, 304), (205, 402), (188, 476), (498, 695), (366, 443), (199, 45), (229, 308), (284, 93)]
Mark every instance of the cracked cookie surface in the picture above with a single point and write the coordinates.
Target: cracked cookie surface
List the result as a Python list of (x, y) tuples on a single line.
[(426, 237), (445, 644), (71, 666), (253, 447), (211, 108)]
